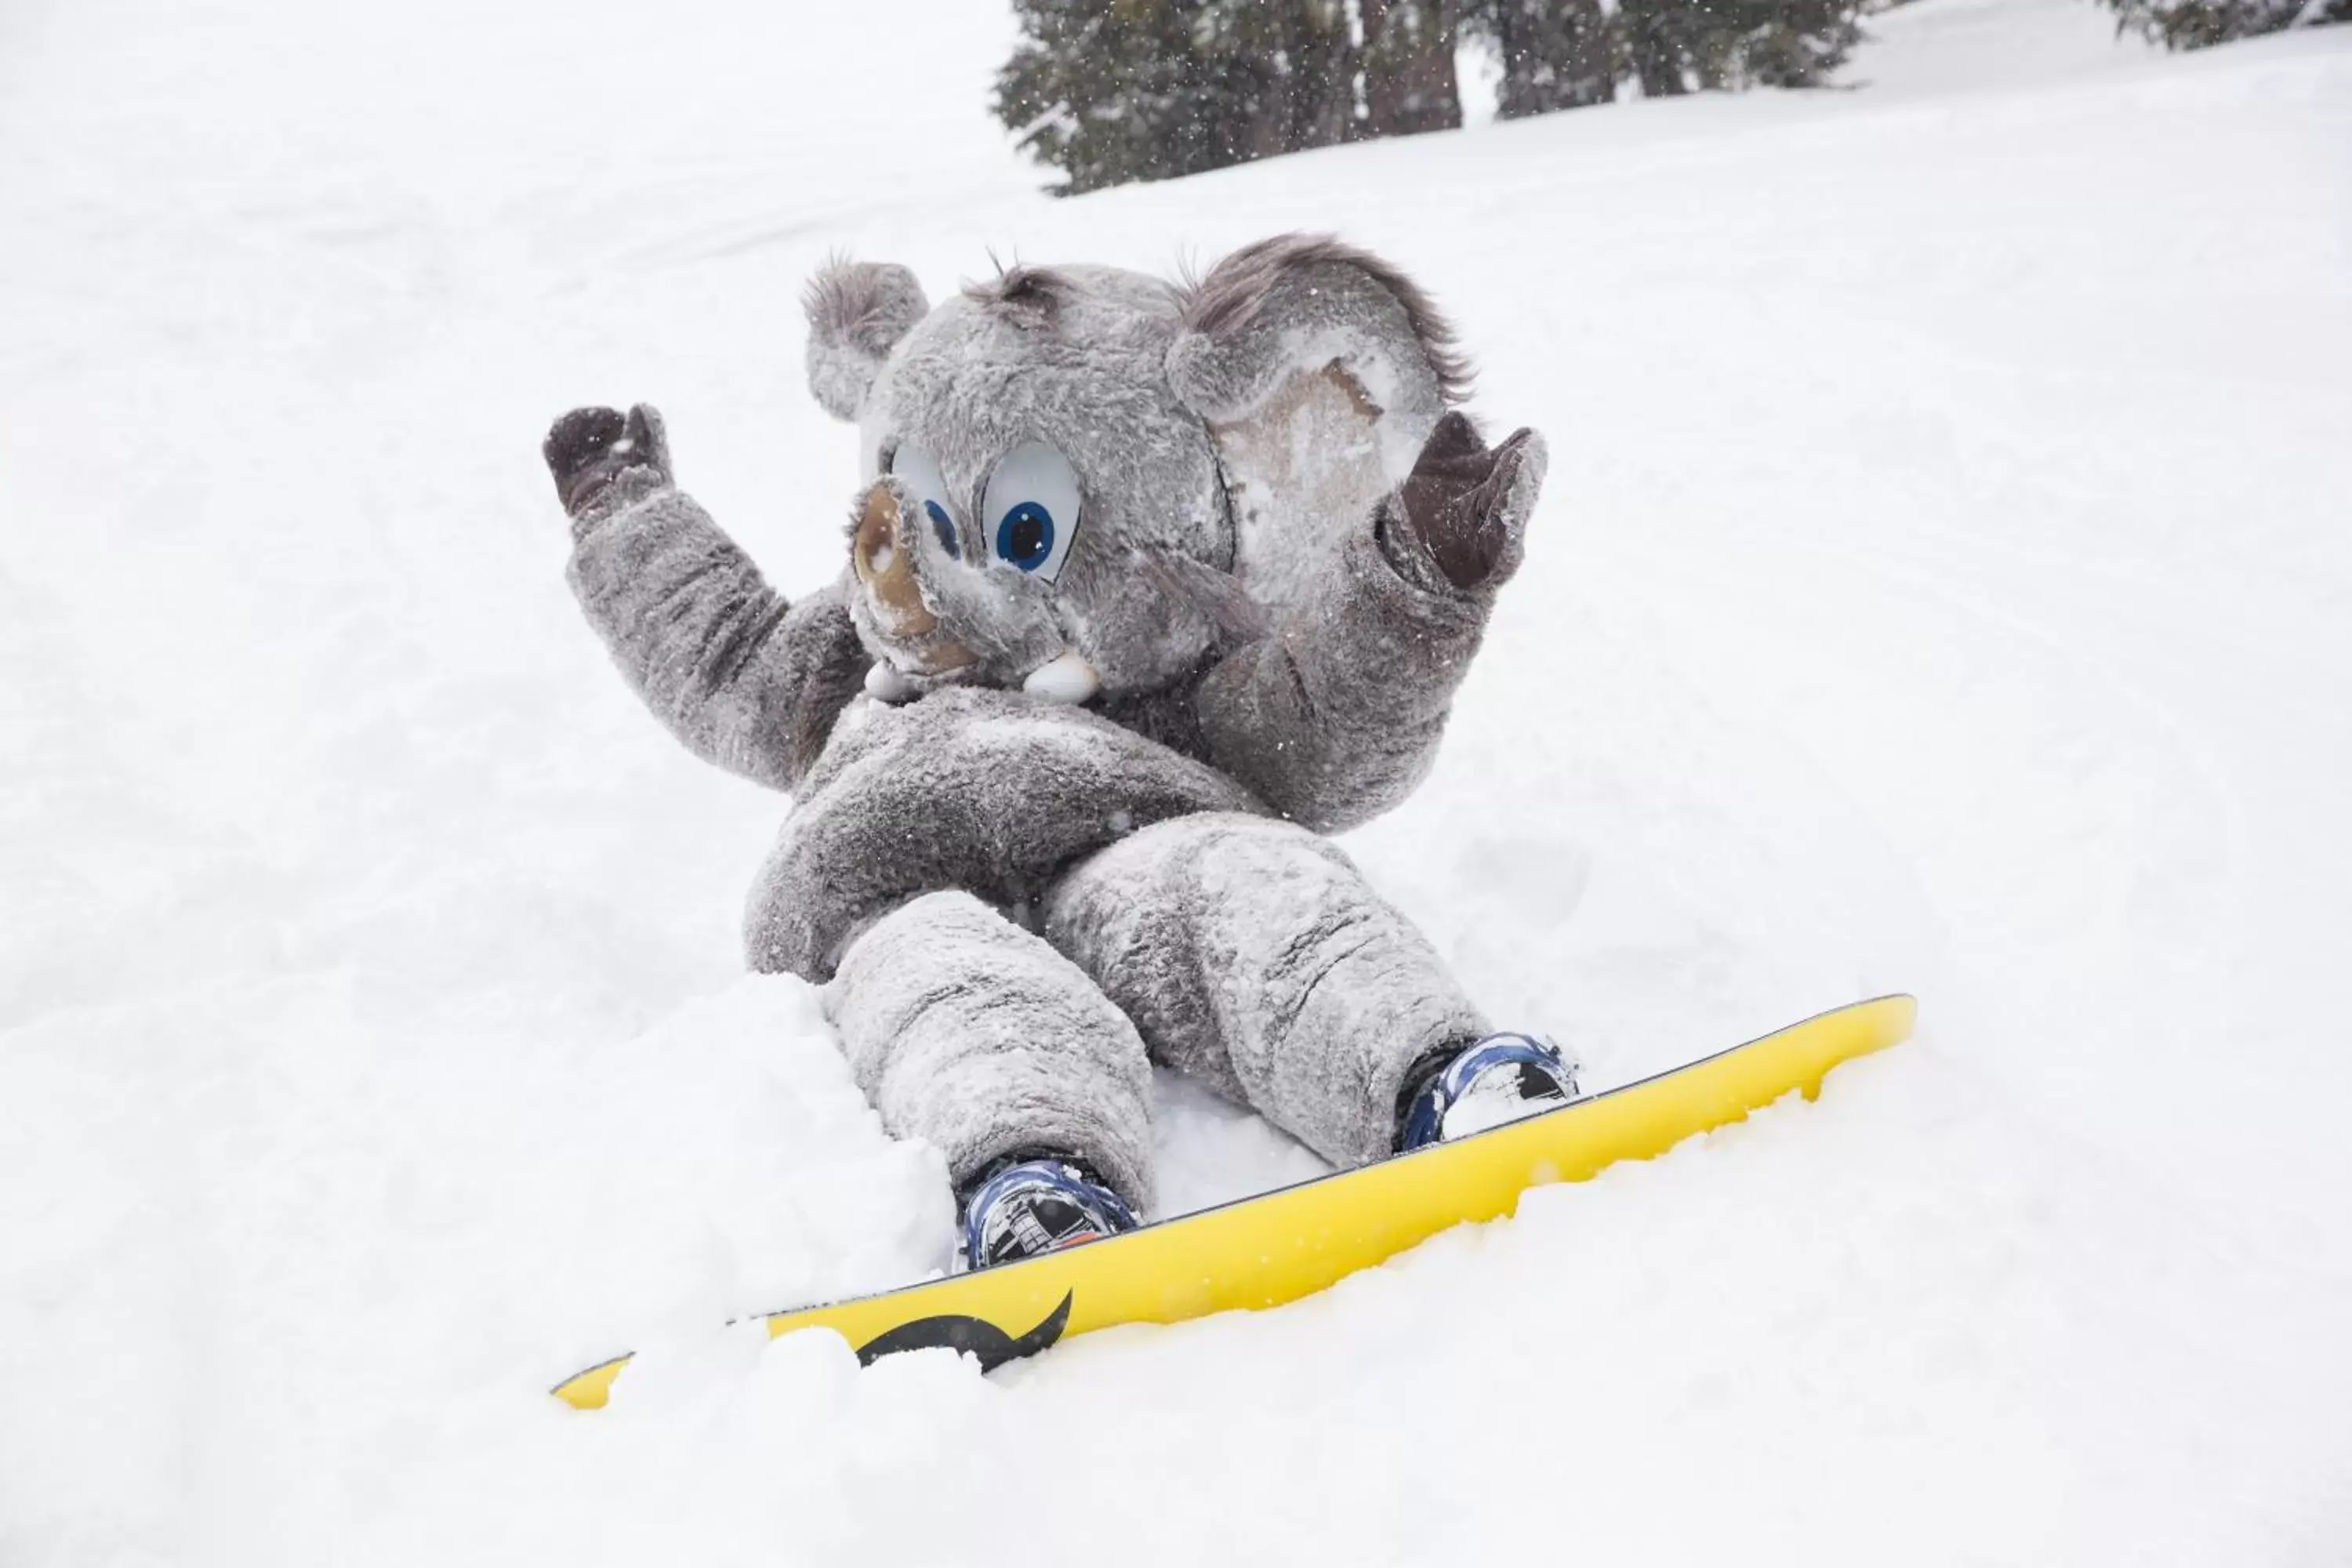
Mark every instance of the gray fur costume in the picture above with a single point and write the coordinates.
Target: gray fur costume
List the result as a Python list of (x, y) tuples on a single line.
[(1148, 585)]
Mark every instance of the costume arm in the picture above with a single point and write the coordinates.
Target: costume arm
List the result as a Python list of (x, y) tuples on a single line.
[(1335, 714), (745, 679)]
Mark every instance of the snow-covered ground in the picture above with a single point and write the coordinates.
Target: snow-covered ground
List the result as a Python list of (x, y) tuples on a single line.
[(1943, 584)]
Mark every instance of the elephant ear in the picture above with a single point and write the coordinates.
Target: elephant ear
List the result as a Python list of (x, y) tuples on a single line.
[(1320, 370), (857, 311)]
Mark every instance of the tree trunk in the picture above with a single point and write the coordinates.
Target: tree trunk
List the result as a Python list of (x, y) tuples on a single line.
[(1291, 65), (1409, 84), (1323, 76), (1658, 59), (1592, 69), (1557, 54)]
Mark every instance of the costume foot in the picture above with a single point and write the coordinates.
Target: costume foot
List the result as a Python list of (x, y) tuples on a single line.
[(1036, 1206), (1501, 1078)]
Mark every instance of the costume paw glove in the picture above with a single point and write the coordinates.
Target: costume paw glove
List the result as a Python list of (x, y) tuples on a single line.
[(601, 459), (1467, 503)]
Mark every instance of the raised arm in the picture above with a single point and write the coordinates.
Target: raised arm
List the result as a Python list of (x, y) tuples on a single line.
[(1335, 714), (744, 679)]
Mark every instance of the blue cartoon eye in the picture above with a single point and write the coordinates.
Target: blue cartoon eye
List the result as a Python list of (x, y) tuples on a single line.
[(944, 526), (919, 472), (1034, 496), (1025, 536)]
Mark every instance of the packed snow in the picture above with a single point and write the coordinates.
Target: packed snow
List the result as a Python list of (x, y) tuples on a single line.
[(1944, 584)]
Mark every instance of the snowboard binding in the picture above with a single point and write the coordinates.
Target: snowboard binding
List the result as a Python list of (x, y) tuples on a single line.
[(1030, 1204), (1489, 1082)]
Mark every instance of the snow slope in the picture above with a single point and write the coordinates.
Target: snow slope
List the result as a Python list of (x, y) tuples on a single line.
[(1943, 585)]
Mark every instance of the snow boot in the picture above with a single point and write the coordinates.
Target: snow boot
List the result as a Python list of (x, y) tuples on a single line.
[(1035, 1204), (1469, 1089)]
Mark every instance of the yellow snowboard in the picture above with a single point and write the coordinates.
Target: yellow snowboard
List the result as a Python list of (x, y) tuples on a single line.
[(1292, 1242)]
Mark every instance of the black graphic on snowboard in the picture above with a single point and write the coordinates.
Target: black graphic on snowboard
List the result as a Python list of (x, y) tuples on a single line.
[(974, 1336)]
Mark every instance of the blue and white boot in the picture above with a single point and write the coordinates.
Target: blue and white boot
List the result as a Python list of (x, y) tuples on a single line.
[(1489, 1082), (1035, 1206)]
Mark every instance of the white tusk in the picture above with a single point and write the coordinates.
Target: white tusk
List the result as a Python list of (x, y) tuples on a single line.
[(885, 684), (1069, 679)]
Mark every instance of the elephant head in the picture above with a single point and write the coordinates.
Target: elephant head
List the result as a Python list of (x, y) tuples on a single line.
[(1080, 479)]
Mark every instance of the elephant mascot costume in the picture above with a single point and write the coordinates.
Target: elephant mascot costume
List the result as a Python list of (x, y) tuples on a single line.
[(1148, 587)]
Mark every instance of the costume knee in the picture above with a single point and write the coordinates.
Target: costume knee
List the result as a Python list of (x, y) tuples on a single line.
[(968, 1032), (1252, 955)]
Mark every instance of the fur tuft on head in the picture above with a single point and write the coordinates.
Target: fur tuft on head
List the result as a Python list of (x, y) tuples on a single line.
[(1024, 295), (1223, 304), (857, 311)]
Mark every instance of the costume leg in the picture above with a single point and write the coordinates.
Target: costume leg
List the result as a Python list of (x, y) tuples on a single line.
[(1252, 955), (965, 1030)]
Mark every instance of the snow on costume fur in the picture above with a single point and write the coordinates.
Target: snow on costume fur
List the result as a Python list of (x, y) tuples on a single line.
[(1148, 585)]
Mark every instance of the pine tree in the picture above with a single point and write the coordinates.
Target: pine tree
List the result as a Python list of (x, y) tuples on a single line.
[(1290, 63), (1098, 88), (1661, 42), (1556, 53), (1681, 46), (2199, 24), (1786, 43), (1408, 63), (1114, 91)]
